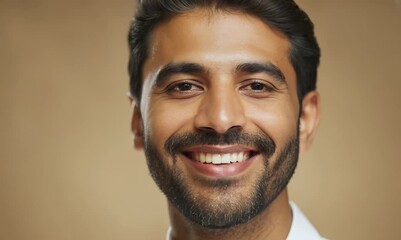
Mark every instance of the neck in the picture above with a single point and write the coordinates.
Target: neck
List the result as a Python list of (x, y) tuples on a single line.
[(273, 223)]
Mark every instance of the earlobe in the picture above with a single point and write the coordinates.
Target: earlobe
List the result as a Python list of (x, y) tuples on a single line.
[(309, 119), (136, 125)]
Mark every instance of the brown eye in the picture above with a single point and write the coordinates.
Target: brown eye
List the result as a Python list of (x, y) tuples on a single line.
[(184, 87), (256, 86)]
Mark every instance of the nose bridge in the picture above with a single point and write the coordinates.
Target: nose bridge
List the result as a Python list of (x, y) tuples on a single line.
[(221, 109)]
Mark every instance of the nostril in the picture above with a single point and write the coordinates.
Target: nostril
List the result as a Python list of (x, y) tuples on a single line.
[(235, 128), (207, 129)]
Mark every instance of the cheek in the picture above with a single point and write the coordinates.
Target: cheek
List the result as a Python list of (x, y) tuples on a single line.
[(166, 118), (277, 118)]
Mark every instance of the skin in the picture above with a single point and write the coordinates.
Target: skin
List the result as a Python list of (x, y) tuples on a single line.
[(219, 100)]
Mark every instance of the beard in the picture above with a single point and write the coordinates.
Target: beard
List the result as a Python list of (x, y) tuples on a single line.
[(225, 207)]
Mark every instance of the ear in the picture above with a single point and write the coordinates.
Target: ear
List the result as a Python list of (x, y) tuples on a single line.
[(136, 124), (309, 119)]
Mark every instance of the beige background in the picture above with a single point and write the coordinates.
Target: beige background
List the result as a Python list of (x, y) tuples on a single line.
[(67, 167)]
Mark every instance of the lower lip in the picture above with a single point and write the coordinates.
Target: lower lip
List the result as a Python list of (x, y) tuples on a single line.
[(219, 170)]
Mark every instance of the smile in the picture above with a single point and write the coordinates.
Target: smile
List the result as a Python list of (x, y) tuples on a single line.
[(219, 161), (213, 158), (219, 155)]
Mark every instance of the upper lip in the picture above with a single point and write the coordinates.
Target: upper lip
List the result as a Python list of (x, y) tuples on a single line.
[(219, 149)]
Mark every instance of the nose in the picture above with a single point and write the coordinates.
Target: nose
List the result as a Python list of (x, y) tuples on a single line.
[(220, 110)]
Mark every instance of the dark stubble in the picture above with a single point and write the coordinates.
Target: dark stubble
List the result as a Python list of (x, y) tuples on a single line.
[(269, 185)]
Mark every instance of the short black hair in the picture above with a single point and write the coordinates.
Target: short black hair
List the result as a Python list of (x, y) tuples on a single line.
[(284, 15)]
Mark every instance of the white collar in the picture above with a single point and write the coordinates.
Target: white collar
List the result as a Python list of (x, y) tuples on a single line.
[(300, 229)]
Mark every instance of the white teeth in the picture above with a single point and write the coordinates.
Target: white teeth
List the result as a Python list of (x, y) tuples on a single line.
[(202, 157), (225, 158), (240, 157), (221, 158), (209, 158), (234, 157), (246, 156), (216, 159)]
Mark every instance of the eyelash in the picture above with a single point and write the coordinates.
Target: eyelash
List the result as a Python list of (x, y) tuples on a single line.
[(268, 87), (173, 88)]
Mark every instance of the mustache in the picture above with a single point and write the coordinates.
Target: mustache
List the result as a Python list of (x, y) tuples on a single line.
[(235, 136)]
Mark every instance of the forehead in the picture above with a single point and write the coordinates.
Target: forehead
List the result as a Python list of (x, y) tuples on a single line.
[(218, 39)]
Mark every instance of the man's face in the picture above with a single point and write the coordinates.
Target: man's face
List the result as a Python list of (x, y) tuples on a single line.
[(219, 115)]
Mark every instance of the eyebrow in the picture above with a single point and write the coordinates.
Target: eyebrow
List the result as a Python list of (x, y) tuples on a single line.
[(268, 68), (183, 67)]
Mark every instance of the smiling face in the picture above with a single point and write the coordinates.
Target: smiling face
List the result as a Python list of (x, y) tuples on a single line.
[(219, 115)]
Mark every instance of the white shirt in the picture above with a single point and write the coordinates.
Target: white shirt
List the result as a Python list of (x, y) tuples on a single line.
[(301, 228)]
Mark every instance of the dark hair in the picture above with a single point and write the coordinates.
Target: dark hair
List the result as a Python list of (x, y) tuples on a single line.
[(284, 15)]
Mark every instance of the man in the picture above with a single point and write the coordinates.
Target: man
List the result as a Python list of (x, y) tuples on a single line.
[(224, 100)]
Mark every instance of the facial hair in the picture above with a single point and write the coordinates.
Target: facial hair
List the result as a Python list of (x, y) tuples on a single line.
[(271, 182)]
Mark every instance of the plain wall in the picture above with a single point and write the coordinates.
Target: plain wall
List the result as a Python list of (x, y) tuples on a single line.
[(67, 166)]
